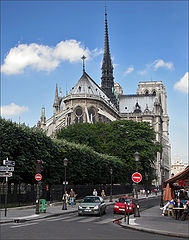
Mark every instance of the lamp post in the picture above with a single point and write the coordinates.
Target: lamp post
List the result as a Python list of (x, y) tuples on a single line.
[(111, 171), (162, 179), (137, 213), (64, 207)]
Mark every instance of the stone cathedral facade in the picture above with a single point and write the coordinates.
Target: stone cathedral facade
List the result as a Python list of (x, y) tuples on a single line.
[(89, 102)]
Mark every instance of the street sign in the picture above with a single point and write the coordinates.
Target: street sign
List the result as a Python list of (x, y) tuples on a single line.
[(136, 177), (4, 174), (38, 177), (5, 168), (9, 163)]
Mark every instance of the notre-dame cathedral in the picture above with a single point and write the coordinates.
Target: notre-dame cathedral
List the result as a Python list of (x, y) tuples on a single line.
[(89, 102)]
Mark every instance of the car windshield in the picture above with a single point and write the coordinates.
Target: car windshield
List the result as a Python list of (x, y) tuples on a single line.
[(91, 200), (127, 200)]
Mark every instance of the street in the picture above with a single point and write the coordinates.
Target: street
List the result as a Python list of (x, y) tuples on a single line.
[(72, 226)]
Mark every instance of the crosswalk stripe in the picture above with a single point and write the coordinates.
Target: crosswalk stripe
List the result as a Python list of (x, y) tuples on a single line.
[(105, 221), (23, 225), (72, 219), (58, 218), (87, 219)]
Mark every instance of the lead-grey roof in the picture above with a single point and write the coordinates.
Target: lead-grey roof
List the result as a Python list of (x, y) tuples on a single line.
[(86, 85), (127, 103)]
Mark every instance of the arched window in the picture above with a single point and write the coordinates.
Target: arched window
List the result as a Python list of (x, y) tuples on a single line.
[(146, 93), (78, 115), (154, 93), (92, 114)]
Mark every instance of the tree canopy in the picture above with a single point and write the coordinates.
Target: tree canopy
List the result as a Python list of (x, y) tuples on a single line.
[(121, 139)]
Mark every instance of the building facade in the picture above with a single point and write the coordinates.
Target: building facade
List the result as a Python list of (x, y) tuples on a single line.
[(89, 102)]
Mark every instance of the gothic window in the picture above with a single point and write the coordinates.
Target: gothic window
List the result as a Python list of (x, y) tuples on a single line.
[(137, 108), (154, 93), (92, 114), (146, 93), (69, 119), (79, 88), (78, 115)]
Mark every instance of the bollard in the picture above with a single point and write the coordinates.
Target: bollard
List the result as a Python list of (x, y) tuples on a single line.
[(128, 214), (125, 211)]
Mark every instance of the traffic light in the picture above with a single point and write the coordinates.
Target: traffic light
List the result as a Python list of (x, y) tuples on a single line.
[(38, 166)]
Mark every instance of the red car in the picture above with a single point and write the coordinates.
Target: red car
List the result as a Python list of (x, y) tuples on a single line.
[(119, 206)]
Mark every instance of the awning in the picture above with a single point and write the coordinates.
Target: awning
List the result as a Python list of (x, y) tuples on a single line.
[(182, 176)]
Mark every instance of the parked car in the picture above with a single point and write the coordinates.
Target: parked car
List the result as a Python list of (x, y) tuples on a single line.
[(92, 205), (119, 206)]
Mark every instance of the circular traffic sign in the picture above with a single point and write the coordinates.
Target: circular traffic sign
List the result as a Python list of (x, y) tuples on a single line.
[(38, 177), (136, 177)]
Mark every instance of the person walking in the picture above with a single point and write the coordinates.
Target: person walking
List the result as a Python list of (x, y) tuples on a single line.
[(103, 195), (95, 193), (72, 197), (65, 199)]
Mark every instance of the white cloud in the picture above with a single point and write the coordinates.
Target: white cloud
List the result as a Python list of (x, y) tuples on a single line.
[(12, 110), (97, 52), (160, 63), (155, 65), (182, 84), (42, 57), (129, 70)]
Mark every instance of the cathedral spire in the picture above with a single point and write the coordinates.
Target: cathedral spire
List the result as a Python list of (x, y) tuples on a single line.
[(107, 79), (56, 101)]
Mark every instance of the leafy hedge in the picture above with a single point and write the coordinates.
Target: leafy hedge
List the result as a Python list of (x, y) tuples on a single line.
[(25, 145)]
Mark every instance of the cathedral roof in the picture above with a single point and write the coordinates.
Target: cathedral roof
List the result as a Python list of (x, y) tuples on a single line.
[(86, 85), (127, 103)]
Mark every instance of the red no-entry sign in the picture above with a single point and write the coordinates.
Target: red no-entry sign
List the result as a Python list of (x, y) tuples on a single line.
[(136, 177), (38, 177)]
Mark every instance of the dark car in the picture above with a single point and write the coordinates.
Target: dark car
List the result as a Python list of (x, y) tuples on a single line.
[(119, 206), (92, 205)]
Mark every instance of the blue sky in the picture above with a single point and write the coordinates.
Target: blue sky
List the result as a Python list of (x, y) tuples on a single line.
[(42, 42)]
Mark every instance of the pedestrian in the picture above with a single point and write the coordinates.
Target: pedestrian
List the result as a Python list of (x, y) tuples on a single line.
[(178, 211), (72, 197), (65, 198), (186, 210), (95, 192), (103, 195)]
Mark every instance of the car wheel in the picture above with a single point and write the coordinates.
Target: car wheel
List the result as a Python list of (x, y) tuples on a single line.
[(79, 214), (114, 212), (100, 213), (104, 211)]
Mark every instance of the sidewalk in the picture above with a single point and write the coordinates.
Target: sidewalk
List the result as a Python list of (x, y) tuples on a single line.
[(151, 220)]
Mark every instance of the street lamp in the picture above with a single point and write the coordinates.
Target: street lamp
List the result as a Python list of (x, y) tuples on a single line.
[(111, 171), (162, 180), (64, 207), (137, 213)]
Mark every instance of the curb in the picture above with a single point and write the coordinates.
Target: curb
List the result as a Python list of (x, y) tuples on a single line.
[(153, 230)]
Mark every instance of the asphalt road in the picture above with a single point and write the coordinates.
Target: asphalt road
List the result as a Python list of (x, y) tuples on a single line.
[(72, 226)]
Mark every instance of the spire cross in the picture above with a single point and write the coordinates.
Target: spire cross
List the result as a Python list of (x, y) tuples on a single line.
[(83, 58)]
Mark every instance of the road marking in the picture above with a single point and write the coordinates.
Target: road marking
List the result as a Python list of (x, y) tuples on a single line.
[(107, 220), (132, 221), (87, 219), (72, 219), (58, 218), (23, 225)]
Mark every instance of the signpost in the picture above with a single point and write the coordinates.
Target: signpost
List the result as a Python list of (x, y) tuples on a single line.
[(6, 171), (5, 174), (136, 177), (6, 168), (38, 177)]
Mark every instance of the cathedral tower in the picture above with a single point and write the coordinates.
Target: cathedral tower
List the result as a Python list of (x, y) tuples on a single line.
[(107, 79)]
